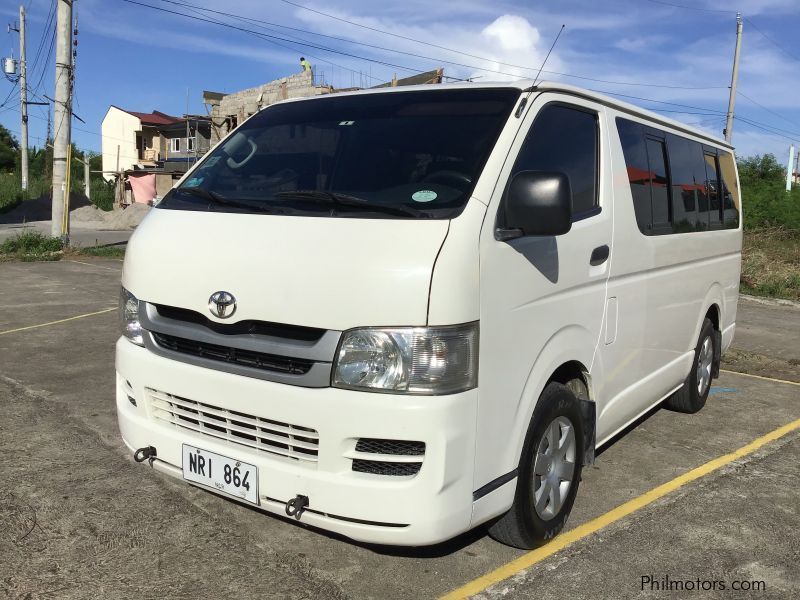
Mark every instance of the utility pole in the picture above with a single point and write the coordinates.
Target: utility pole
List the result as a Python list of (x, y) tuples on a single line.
[(734, 78), (63, 121), (86, 175), (23, 101), (789, 177)]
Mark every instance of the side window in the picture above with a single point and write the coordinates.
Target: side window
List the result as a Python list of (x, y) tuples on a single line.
[(713, 187), (565, 139), (685, 190), (700, 178), (633, 146), (646, 162), (730, 191), (659, 186), (677, 185)]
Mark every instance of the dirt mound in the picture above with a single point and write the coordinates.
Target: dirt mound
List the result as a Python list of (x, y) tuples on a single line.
[(82, 213), (126, 218), (88, 213), (40, 209)]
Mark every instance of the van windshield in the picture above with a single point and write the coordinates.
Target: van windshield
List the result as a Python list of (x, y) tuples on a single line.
[(415, 154)]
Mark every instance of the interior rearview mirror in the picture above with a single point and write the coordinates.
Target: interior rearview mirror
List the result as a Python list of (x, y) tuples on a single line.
[(536, 203)]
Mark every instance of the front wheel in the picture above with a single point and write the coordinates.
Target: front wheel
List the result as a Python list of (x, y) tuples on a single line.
[(549, 472)]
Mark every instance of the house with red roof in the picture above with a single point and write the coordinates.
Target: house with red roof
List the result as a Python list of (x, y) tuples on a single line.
[(152, 141)]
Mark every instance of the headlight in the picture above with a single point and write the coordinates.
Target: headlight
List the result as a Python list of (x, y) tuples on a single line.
[(129, 317), (413, 360)]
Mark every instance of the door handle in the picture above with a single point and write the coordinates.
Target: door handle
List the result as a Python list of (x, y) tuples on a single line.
[(599, 255)]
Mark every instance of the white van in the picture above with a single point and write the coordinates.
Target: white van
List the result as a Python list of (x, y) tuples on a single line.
[(398, 314)]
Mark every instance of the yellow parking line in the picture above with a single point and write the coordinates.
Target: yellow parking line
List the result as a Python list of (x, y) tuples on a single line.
[(562, 541), (99, 312), (760, 377)]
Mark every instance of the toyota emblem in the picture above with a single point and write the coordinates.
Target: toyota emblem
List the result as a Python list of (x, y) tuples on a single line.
[(222, 304)]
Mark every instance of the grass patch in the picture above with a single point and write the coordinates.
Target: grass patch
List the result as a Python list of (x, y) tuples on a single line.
[(771, 263), (30, 246), (12, 195), (104, 251)]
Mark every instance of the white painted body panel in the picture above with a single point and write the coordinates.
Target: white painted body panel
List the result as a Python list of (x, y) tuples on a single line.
[(312, 271), (663, 287), (541, 306), (631, 322)]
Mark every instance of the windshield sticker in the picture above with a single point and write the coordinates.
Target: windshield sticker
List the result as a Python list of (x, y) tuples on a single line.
[(424, 196), (193, 182), (211, 162)]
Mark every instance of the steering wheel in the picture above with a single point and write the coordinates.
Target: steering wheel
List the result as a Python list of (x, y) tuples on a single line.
[(448, 178)]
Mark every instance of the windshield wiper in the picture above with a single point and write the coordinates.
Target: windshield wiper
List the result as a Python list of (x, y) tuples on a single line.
[(344, 200), (215, 198)]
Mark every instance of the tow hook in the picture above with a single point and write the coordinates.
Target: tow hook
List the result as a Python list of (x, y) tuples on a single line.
[(297, 506), (142, 454)]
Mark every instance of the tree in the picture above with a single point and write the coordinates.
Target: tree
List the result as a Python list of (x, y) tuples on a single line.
[(9, 151), (761, 167)]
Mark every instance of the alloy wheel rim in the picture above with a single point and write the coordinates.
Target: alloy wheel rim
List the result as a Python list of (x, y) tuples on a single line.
[(554, 468), (704, 360)]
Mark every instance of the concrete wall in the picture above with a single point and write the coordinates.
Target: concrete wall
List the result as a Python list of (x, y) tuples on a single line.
[(201, 139), (119, 129), (238, 106)]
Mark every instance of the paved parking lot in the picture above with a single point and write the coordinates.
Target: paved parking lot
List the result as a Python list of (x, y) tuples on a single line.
[(79, 519)]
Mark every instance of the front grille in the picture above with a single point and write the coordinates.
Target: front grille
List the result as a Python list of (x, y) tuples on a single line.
[(397, 447), (395, 469), (235, 356), (274, 437), (278, 330)]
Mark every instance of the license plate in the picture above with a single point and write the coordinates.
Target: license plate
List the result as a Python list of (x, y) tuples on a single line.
[(221, 473)]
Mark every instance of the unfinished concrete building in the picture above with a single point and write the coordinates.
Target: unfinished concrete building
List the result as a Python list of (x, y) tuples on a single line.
[(228, 110)]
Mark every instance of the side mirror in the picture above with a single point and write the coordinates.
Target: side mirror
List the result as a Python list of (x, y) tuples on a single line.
[(536, 203)]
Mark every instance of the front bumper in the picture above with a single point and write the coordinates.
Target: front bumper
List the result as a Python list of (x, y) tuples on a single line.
[(432, 506)]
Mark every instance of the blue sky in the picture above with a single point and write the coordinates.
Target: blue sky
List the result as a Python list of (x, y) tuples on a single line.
[(142, 59)]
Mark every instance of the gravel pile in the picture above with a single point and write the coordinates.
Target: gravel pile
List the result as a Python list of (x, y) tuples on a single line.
[(82, 213)]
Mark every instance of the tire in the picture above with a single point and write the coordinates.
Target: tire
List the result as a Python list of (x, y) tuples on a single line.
[(524, 525), (694, 393)]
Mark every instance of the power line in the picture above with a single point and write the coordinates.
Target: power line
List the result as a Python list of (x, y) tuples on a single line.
[(197, 9), (271, 38), (697, 8), (780, 116), (770, 127), (711, 10), (706, 110), (757, 126), (49, 59), (770, 40), (462, 52), (425, 57), (10, 93), (43, 38)]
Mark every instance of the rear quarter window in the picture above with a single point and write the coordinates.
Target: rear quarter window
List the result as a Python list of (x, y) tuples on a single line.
[(677, 184)]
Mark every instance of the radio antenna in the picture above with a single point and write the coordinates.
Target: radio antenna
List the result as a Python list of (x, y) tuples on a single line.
[(544, 62), (524, 101)]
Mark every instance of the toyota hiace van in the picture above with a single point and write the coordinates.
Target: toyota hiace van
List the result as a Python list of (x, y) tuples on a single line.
[(399, 314)]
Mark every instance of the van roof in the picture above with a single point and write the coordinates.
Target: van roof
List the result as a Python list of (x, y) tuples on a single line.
[(542, 86)]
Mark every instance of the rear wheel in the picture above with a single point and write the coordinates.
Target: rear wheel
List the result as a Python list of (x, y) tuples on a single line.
[(549, 472), (692, 396)]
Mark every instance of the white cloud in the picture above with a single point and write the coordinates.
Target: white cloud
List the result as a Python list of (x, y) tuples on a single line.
[(512, 33)]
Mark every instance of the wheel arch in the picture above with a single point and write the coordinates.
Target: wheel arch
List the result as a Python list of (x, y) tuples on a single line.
[(565, 356), (713, 310)]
